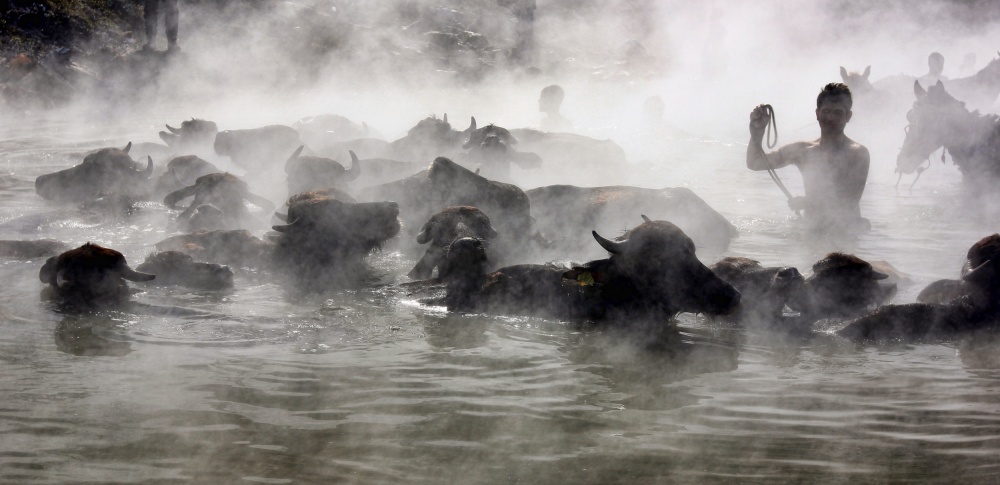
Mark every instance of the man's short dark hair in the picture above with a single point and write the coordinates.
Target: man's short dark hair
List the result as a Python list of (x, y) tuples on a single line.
[(833, 91)]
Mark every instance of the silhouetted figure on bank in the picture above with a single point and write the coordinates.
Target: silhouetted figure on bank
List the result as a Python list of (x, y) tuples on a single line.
[(549, 103), (170, 18), (935, 66), (834, 168)]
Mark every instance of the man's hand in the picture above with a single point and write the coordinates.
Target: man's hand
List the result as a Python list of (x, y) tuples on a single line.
[(759, 120), (797, 203)]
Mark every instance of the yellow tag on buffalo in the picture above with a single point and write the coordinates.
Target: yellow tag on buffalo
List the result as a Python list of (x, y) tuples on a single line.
[(585, 279)]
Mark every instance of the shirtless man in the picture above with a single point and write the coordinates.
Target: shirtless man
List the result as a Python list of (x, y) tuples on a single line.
[(834, 168)]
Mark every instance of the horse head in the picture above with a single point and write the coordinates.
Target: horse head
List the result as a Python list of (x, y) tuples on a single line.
[(858, 82), (931, 124)]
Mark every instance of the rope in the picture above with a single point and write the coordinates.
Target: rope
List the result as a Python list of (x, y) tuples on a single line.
[(772, 121)]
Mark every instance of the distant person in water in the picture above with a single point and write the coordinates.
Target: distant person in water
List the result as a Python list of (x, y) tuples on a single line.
[(170, 15), (653, 110), (935, 66), (549, 103), (834, 168)]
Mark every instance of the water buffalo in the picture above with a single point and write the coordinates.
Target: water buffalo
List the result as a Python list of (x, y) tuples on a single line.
[(573, 159), (324, 132), (560, 210), (237, 248), (174, 268), (38, 248), (446, 226), (763, 291), (492, 149), (194, 136), (89, 276), (652, 274), (181, 172), (221, 192), (430, 138), (841, 286), (445, 184), (108, 170), (311, 173), (976, 305), (328, 236), (257, 149)]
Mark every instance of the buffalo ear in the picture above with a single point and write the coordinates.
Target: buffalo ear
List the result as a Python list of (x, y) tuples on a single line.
[(918, 90)]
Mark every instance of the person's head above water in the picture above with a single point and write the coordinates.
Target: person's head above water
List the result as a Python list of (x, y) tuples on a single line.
[(551, 99), (833, 108), (935, 62)]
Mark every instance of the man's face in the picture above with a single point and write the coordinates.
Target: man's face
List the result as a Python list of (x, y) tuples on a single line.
[(833, 116)]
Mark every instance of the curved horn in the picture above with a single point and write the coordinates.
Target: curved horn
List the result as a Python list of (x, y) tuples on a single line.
[(281, 217), (127, 147), (295, 155), (478, 169), (145, 174), (283, 228), (472, 125), (355, 170), (367, 130), (178, 195), (133, 275), (173, 130), (983, 272), (645, 218), (613, 247), (918, 90), (446, 117)]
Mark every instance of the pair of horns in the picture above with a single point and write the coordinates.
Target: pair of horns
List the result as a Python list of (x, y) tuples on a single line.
[(614, 247)]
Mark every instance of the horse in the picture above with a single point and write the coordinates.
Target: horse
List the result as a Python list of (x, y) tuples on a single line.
[(973, 139)]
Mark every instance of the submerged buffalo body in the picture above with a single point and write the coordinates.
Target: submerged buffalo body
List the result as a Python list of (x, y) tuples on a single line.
[(31, 249), (492, 149), (194, 136), (90, 276), (323, 133), (446, 184), (763, 291), (217, 199), (973, 304), (430, 138), (842, 286), (177, 268), (328, 236), (561, 210), (108, 170), (182, 172), (236, 248), (652, 273), (258, 148), (311, 173), (573, 159)]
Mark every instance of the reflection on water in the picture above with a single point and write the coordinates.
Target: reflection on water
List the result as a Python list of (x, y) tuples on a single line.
[(367, 386)]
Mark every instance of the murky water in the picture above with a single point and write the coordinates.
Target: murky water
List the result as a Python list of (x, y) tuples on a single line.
[(369, 387)]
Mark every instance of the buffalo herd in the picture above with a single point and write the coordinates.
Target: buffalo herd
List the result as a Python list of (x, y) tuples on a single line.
[(486, 244)]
